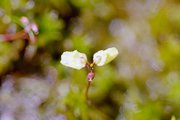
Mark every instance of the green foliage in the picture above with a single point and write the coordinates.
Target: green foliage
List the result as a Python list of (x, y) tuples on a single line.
[(50, 29), (7, 56)]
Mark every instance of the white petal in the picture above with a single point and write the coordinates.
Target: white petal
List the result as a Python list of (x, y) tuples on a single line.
[(99, 58), (105, 56), (111, 54), (74, 59)]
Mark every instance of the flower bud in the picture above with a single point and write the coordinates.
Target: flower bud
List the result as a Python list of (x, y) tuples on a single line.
[(24, 20), (34, 28), (103, 57), (74, 59), (91, 76)]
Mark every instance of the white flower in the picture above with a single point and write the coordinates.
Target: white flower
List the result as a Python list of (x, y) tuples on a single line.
[(74, 59), (77, 60), (105, 56)]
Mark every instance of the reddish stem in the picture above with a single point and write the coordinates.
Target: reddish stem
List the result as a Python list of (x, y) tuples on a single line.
[(87, 89), (90, 77), (14, 36)]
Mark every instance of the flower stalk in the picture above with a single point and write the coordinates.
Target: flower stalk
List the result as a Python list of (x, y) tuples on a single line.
[(28, 33), (90, 77), (14, 36)]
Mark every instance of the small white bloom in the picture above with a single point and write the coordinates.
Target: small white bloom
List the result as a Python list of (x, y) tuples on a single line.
[(74, 59), (99, 58), (105, 56)]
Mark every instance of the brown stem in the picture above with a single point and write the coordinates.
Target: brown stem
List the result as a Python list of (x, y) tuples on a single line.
[(13, 36), (88, 66), (87, 89), (91, 75)]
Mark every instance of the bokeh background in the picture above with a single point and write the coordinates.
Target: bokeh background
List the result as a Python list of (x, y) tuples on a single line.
[(142, 83)]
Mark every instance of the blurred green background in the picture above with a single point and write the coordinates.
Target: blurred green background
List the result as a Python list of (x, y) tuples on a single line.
[(142, 83)]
